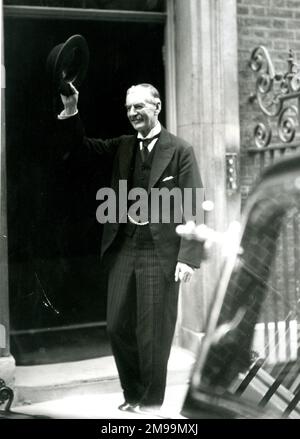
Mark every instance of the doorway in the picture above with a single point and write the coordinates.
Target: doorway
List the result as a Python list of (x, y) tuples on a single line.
[(56, 279)]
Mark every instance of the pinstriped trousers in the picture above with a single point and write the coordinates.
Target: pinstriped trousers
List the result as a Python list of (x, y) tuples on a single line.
[(141, 318)]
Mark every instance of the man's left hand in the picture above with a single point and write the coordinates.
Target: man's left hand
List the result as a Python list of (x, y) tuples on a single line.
[(183, 272)]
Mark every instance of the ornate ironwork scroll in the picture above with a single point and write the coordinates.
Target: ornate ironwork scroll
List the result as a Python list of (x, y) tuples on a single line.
[(273, 93)]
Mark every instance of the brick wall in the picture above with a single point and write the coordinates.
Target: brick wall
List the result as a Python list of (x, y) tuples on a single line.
[(276, 25)]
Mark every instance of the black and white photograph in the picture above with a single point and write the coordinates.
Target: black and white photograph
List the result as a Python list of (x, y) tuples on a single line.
[(150, 213)]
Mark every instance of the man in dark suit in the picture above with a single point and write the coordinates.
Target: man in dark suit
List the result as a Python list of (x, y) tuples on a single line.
[(147, 259)]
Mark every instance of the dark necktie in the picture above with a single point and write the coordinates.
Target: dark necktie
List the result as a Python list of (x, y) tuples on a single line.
[(145, 151)]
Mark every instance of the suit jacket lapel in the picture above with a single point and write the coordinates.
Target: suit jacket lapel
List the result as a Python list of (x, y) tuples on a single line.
[(127, 149), (163, 154)]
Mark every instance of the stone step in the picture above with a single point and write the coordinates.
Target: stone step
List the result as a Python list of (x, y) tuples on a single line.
[(102, 406), (34, 384)]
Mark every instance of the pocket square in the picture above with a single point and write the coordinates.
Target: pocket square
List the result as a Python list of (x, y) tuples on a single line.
[(168, 178)]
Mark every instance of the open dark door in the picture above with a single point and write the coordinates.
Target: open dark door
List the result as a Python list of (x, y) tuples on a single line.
[(57, 282)]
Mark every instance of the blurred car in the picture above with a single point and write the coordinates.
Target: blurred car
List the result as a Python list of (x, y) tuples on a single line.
[(248, 364)]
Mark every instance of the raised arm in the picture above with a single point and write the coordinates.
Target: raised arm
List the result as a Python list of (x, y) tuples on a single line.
[(71, 136)]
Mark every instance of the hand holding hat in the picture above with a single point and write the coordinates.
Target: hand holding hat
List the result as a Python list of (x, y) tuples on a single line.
[(67, 65), (70, 101)]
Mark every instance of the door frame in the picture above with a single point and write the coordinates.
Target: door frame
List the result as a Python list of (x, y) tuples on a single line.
[(57, 13)]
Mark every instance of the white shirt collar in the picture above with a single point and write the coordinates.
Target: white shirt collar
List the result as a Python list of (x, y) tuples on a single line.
[(155, 130)]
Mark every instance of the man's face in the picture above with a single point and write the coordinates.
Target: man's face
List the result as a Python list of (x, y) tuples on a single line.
[(142, 111)]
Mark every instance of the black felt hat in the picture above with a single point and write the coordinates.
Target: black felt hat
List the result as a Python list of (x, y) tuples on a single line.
[(68, 62)]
